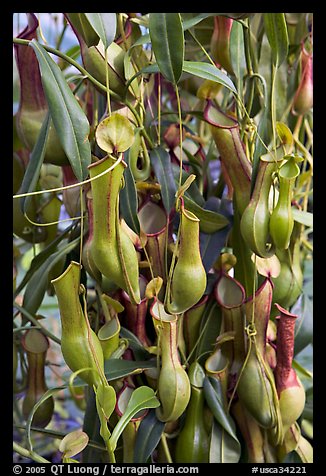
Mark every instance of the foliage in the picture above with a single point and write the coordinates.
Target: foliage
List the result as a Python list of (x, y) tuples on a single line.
[(162, 174)]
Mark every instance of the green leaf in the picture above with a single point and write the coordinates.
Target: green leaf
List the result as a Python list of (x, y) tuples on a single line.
[(208, 71), (237, 54), (73, 443), (84, 28), (143, 397), (186, 24), (277, 35), (225, 447), (305, 218), (210, 221), (40, 258), (214, 398), (105, 25), (116, 368), (106, 398), (190, 22), (210, 326), (148, 436), (69, 119), (166, 33), (211, 244), (161, 163), (135, 345), (304, 323), (38, 283), (35, 162), (129, 200)]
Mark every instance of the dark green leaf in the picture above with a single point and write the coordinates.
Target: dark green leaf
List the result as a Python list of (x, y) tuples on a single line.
[(84, 28), (277, 34), (69, 119), (304, 323), (35, 162), (308, 412), (292, 458), (129, 200), (214, 398), (211, 244), (223, 448), (190, 22), (40, 258), (208, 71), (161, 163), (166, 33), (116, 368), (209, 330), (38, 283), (135, 345), (148, 436), (193, 191), (105, 25)]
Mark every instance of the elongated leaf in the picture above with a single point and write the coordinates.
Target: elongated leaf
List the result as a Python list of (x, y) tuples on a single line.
[(237, 54), (277, 34), (68, 117), (210, 221), (209, 330), (37, 285), (190, 22), (208, 71), (129, 200), (40, 258), (223, 448), (84, 28), (135, 345), (148, 436), (105, 25), (214, 398), (35, 162), (186, 24), (116, 368), (212, 244), (305, 218), (141, 399), (166, 33), (304, 323), (161, 162)]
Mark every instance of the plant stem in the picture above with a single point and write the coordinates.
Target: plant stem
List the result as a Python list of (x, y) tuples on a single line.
[(166, 448), (28, 454)]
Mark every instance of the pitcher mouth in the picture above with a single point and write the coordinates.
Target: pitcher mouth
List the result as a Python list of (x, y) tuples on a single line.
[(66, 271), (224, 121), (158, 312), (102, 161)]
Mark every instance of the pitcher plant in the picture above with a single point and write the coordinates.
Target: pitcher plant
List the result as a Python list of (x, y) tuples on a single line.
[(163, 238)]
